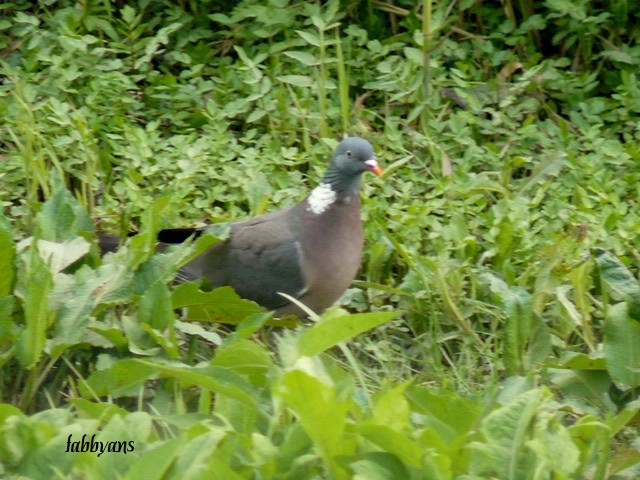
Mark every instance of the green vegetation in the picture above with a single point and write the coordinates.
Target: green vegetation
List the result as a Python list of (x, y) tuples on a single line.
[(494, 330)]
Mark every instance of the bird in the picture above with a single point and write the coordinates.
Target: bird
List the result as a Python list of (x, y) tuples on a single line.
[(311, 251)]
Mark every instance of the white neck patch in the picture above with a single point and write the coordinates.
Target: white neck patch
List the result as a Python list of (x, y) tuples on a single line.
[(321, 198)]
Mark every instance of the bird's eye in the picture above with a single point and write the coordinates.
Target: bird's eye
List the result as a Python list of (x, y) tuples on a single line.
[(349, 154)]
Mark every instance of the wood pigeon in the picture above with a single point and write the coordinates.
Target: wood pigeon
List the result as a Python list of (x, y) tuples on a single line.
[(311, 251)]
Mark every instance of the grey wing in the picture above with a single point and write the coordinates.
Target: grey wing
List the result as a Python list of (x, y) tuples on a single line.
[(260, 258), (265, 258), (260, 274)]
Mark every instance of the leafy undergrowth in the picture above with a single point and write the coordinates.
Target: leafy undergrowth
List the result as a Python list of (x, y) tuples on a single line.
[(493, 331)]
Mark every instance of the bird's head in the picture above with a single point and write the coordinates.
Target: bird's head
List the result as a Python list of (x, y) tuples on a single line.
[(354, 156)]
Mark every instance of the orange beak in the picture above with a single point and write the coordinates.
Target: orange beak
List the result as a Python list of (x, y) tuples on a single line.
[(374, 167)]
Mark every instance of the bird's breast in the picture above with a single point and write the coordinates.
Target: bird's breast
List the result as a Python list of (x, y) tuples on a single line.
[(331, 246)]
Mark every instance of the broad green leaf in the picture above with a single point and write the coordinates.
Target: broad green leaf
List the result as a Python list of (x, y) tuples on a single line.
[(113, 335), (166, 339), (391, 408), (160, 268), (505, 432), (102, 411), (243, 56), (63, 218), (220, 305), (37, 282), (236, 412), (34, 446), (313, 397), (621, 341), (451, 415), (124, 377), (617, 422), (380, 466), (156, 460), (155, 307), (143, 245), (120, 379), (215, 379), (554, 447), (140, 340), (583, 361), (255, 322), (399, 444), (619, 279), (526, 336), (518, 310), (619, 56), (75, 297), (204, 456), (7, 258), (568, 305), (191, 328), (297, 80), (7, 411), (310, 38), (305, 58), (331, 330), (583, 386), (414, 55), (9, 330), (246, 358), (521, 435), (135, 429), (543, 170)]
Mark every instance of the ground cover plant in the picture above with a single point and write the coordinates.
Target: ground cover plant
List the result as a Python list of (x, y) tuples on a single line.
[(493, 330)]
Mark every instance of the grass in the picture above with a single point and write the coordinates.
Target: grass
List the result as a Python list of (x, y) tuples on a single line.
[(492, 332)]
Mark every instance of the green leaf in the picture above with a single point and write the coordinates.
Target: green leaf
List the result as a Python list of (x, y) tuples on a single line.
[(8, 411), (155, 307), (120, 379), (246, 358), (312, 396), (310, 38), (523, 435), (583, 361), (102, 411), (35, 303), (547, 168), (124, 378), (380, 466), (619, 279), (63, 254), (215, 379), (7, 257), (156, 461), (63, 218), (391, 408), (297, 80), (75, 297), (450, 415), (251, 324), (195, 329), (399, 444), (305, 58), (526, 336), (621, 340), (582, 386), (331, 330), (620, 56), (220, 305)]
